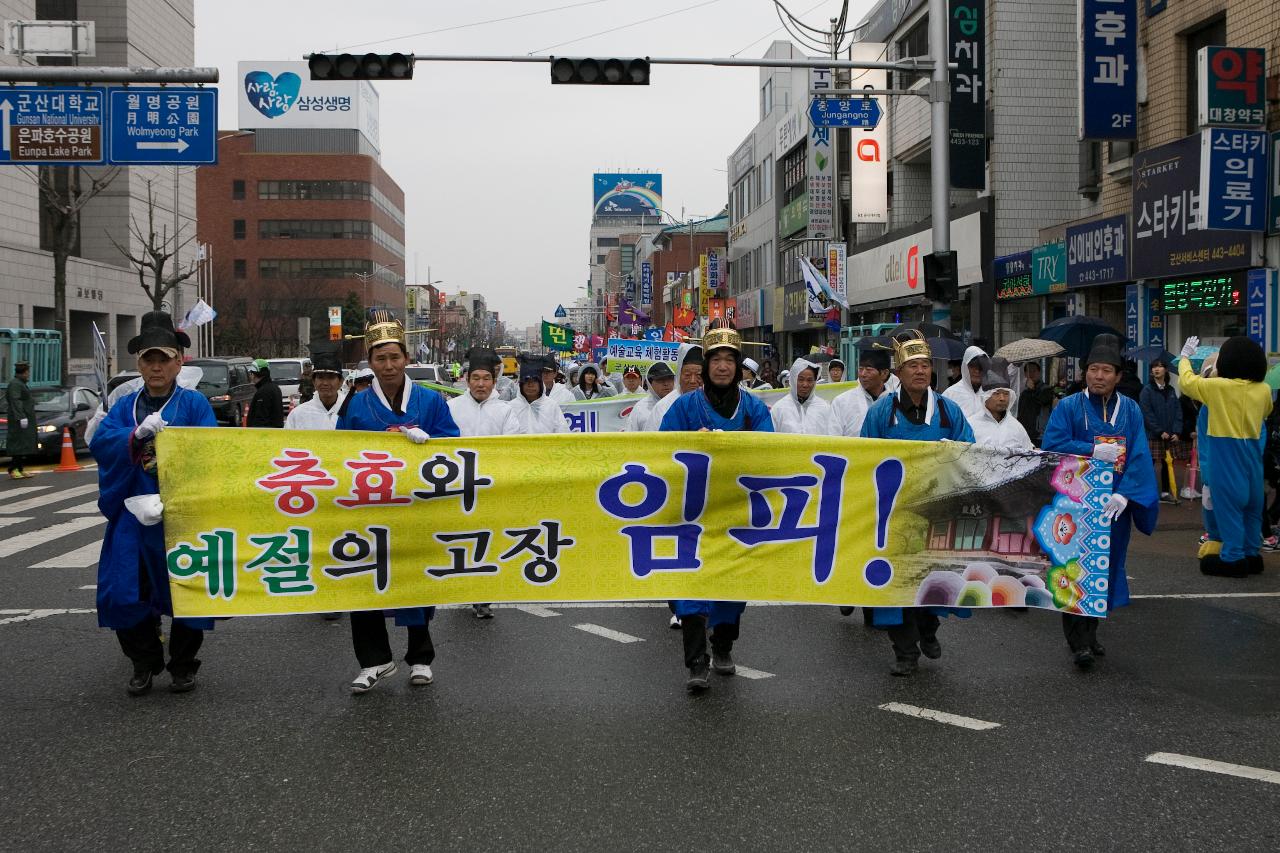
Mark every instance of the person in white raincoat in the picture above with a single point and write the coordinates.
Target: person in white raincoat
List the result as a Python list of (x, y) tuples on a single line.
[(478, 412), (802, 410), (967, 390), (661, 383), (996, 426), (850, 408), (558, 392), (534, 408), (688, 379), (322, 410)]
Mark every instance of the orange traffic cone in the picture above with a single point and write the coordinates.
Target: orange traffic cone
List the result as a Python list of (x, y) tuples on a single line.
[(244, 417), (68, 462)]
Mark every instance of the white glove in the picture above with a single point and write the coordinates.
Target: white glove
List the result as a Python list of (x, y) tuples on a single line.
[(22, 424), (146, 508), (417, 436), (1189, 348), (151, 425), (1115, 505), (1205, 500), (1106, 452)]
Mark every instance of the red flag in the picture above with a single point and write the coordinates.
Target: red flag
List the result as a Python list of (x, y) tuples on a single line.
[(669, 333)]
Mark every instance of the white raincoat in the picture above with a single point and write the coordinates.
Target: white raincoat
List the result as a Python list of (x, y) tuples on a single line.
[(313, 415), (664, 405), (543, 415), (812, 417), (492, 417), (641, 417), (1008, 434), (962, 393), (850, 408)]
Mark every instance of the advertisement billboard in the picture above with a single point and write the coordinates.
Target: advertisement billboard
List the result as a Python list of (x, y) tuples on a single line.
[(869, 154), (281, 94), (626, 194)]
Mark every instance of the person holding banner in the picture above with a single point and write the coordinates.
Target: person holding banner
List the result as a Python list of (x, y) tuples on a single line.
[(534, 408), (133, 573), (321, 411), (688, 380), (914, 413), (1107, 426), (719, 405), (557, 392), (850, 409), (393, 404), (661, 382), (802, 410), (995, 427)]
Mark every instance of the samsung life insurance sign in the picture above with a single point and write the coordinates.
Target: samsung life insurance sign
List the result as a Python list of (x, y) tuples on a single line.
[(282, 94)]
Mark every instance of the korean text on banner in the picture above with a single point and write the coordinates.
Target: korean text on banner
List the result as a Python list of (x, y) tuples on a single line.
[(623, 353), (1108, 69), (837, 272), (559, 338), (265, 522)]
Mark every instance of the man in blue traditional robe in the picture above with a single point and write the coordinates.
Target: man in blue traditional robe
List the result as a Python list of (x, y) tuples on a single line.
[(133, 578), (393, 404), (914, 413), (1108, 426), (719, 405)]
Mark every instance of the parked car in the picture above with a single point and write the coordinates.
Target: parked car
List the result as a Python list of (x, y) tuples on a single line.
[(226, 385), (56, 408), (429, 373), (120, 378)]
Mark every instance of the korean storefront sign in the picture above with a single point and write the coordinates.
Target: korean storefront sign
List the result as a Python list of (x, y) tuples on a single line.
[(1049, 269), (1108, 69), (1013, 277), (1233, 179), (1097, 252), (1166, 240), (968, 107), (869, 159), (1232, 83)]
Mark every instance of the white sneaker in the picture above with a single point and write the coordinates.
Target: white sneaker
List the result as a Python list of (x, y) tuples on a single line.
[(371, 675), (420, 675), (674, 623)]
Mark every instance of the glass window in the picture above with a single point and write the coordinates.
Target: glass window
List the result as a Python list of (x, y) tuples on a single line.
[(237, 229), (766, 98), (914, 43), (239, 266), (1209, 35), (766, 179), (237, 190), (607, 242)]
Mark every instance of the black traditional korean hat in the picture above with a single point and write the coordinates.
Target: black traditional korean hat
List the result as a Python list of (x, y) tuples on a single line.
[(157, 332)]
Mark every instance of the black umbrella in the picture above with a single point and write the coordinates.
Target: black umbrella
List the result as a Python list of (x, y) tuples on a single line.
[(929, 330), (1151, 352), (1076, 333), (952, 349), (874, 342)]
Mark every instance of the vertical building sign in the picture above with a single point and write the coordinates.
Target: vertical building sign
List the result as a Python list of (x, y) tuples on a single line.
[(1131, 312), (713, 272), (821, 167), (1232, 82), (869, 159), (1256, 294), (1233, 179), (1108, 69), (837, 269), (646, 283), (335, 322), (968, 111), (1155, 315), (1274, 192)]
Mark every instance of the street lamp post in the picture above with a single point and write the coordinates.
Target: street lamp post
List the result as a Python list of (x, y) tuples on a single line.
[(365, 276)]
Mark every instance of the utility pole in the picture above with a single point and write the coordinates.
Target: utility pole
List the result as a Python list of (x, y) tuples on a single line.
[(940, 141)]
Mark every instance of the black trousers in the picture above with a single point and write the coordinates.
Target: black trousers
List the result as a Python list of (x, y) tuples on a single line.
[(917, 624), (17, 463), (1081, 631), (694, 632), (373, 646), (141, 644)]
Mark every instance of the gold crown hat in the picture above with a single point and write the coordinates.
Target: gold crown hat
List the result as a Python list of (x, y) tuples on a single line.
[(383, 328), (721, 334), (911, 348)]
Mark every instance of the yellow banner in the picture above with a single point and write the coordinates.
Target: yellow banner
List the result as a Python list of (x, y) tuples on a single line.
[(268, 521)]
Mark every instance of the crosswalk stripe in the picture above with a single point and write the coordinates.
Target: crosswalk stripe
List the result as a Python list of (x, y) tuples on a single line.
[(80, 509), (535, 610), (939, 716), (28, 615), (608, 633), (52, 498), (5, 522), (9, 494), (45, 535), (81, 558), (1209, 765), (748, 672)]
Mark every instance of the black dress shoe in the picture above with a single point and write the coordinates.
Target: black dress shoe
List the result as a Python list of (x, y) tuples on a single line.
[(1083, 659), (1099, 651), (140, 684), (931, 648), (846, 611), (1255, 564), (903, 667), (184, 683)]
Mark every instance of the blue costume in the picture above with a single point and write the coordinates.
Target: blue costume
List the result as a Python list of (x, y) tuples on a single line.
[(1076, 425), (690, 413), (944, 419), (130, 550), (369, 411)]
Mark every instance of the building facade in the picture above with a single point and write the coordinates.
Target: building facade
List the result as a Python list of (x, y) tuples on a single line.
[(102, 287)]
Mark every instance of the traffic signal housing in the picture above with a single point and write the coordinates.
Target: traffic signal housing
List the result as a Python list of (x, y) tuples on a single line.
[(600, 72), (941, 276), (369, 66)]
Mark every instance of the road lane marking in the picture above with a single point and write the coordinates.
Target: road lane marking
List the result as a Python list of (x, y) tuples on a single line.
[(29, 615), (535, 610), (5, 522), (1190, 762), (24, 490), (1212, 595), (939, 716), (748, 672), (80, 509), (607, 633), (90, 586), (81, 558), (44, 500), (47, 534)]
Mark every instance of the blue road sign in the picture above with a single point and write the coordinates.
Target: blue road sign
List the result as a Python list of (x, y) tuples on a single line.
[(845, 112), (167, 127), (52, 126), (560, 312)]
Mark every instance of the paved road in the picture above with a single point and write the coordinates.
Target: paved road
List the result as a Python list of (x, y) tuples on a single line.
[(543, 733)]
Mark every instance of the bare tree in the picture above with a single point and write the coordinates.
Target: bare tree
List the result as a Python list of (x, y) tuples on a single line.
[(157, 250), (63, 194)]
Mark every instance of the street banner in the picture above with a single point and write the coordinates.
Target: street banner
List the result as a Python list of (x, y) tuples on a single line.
[(624, 353), (869, 147), (261, 522), (554, 337)]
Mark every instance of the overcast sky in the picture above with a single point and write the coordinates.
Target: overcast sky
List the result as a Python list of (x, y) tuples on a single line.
[(495, 162)]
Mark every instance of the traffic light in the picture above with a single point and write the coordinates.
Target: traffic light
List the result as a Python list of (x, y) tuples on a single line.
[(601, 72), (941, 275), (370, 66)]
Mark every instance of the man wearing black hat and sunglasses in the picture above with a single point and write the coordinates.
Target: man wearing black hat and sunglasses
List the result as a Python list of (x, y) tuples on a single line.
[(133, 577)]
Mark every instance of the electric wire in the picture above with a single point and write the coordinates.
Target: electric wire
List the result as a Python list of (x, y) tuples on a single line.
[(476, 24), (627, 26)]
